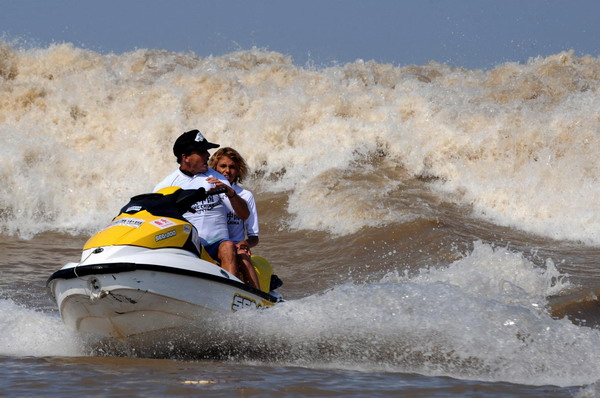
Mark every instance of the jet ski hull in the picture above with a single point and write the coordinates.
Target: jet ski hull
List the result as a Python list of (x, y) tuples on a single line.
[(124, 291)]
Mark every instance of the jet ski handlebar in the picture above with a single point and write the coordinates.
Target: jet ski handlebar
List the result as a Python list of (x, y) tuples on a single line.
[(216, 191)]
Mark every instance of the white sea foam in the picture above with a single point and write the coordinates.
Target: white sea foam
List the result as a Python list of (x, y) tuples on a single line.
[(26, 332), (82, 132), (483, 318)]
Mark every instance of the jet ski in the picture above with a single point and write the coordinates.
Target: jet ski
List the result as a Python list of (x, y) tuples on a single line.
[(146, 272)]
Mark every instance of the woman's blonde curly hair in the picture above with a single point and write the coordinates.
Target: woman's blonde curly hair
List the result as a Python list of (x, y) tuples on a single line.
[(237, 159)]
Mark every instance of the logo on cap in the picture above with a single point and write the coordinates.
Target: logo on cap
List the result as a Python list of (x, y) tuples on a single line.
[(199, 137)]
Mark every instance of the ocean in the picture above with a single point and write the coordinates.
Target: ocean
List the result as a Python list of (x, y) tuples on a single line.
[(437, 228)]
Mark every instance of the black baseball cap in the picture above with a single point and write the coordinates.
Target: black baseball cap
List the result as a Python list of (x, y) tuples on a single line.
[(191, 141)]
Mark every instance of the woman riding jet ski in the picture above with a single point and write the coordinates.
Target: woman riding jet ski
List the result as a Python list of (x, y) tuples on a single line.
[(146, 272)]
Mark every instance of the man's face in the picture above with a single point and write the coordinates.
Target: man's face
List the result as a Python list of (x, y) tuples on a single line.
[(196, 162)]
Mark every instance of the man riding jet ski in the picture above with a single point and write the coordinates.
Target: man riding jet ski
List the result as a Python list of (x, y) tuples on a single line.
[(210, 215)]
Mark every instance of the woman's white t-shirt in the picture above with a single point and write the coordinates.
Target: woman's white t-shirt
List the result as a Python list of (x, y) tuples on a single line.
[(238, 228)]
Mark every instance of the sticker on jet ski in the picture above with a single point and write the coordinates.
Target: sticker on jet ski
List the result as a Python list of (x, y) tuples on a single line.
[(127, 222), (162, 223), (240, 302), (166, 235)]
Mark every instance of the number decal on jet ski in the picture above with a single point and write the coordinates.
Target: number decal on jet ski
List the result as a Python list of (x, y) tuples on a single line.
[(240, 302), (127, 222)]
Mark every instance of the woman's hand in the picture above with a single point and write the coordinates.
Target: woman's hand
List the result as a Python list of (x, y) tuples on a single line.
[(243, 248), (218, 184)]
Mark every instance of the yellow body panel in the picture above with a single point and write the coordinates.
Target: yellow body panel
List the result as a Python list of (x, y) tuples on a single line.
[(142, 229), (168, 190), (146, 230), (264, 270)]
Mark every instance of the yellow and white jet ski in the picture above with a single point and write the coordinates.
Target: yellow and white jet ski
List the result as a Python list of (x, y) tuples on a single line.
[(146, 272)]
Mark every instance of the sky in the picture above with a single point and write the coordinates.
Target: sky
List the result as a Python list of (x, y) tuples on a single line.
[(468, 33)]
